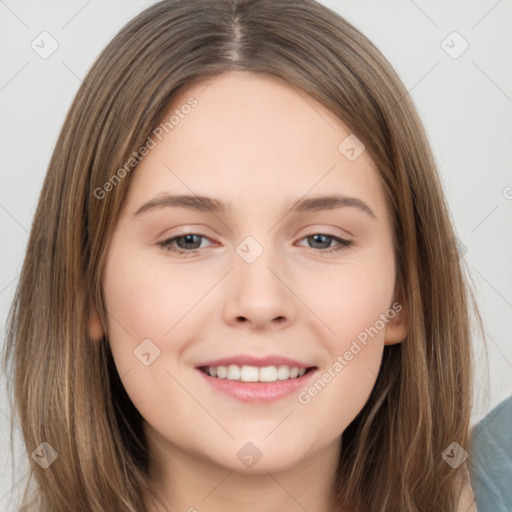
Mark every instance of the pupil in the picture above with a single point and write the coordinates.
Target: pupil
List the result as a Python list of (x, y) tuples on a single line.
[(187, 240), (317, 238)]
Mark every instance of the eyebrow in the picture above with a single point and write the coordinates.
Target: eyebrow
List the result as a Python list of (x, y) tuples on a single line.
[(212, 205)]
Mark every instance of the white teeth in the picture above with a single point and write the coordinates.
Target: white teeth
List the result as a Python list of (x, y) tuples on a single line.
[(268, 374), (283, 372), (233, 372), (248, 373)]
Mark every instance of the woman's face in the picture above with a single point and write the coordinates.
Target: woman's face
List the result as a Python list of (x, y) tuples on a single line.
[(290, 306)]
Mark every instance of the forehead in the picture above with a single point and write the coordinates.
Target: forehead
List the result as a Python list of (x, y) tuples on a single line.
[(254, 117), (251, 138)]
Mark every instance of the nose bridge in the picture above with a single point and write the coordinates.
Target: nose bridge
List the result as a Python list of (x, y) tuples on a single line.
[(257, 292), (257, 263)]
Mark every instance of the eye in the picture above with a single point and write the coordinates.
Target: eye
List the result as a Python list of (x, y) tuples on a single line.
[(187, 243), (190, 243), (326, 239)]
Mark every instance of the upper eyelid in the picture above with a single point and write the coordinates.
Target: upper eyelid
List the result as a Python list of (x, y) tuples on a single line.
[(310, 231)]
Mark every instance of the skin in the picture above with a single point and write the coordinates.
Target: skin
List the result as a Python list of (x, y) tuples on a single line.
[(257, 143)]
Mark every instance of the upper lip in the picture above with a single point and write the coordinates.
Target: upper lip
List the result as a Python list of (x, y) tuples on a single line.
[(270, 360)]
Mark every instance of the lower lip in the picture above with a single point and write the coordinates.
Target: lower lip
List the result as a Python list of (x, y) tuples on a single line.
[(258, 391)]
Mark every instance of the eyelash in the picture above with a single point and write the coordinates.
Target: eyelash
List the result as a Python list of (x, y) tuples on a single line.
[(166, 244)]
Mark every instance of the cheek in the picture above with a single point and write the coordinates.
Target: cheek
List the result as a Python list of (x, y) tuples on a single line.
[(142, 304), (144, 309), (355, 305), (142, 297), (351, 298)]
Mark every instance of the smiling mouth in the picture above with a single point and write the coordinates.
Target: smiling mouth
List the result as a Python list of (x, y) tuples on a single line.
[(248, 373)]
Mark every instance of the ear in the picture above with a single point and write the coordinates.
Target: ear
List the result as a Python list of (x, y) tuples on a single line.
[(397, 327), (96, 331)]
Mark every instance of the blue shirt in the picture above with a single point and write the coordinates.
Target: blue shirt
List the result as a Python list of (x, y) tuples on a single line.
[(492, 460)]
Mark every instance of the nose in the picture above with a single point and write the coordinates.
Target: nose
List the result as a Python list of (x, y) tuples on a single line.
[(257, 294)]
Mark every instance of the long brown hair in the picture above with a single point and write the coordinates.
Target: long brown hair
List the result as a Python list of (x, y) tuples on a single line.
[(67, 391)]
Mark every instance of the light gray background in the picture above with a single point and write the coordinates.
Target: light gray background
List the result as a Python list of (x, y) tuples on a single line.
[(465, 103)]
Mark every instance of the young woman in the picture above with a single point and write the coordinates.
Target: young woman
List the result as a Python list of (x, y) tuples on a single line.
[(241, 289)]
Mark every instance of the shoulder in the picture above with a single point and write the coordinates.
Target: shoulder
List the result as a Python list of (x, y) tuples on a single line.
[(491, 459)]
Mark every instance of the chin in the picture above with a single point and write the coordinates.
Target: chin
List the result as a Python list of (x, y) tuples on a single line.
[(259, 456)]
